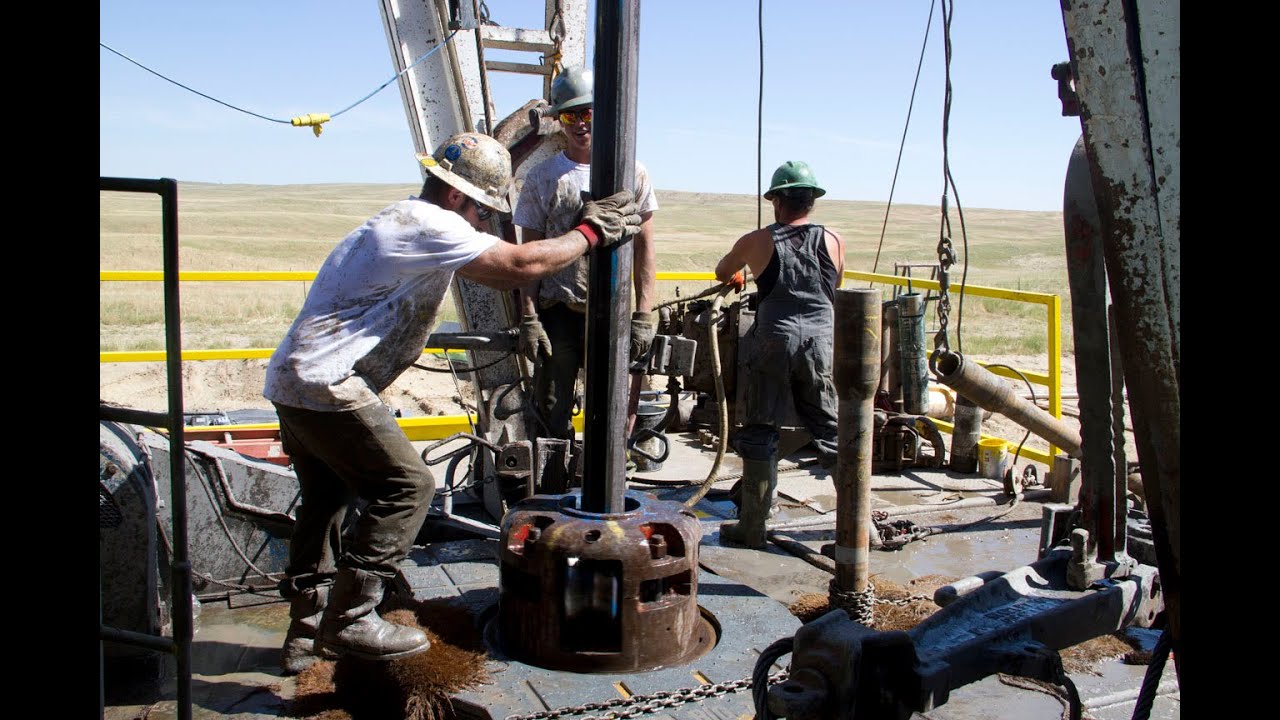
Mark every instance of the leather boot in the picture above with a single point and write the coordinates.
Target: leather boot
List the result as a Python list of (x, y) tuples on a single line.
[(305, 612), (759, 480), (351, 624)]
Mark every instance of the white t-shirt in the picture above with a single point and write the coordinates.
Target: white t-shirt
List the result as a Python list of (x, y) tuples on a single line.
[(551, 203), (373, 304)]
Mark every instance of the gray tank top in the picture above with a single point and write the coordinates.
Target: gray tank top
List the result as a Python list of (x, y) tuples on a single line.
[(797, 289)]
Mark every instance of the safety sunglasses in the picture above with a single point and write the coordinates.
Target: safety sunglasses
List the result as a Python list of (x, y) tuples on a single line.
[(570, 117), (482, 212)]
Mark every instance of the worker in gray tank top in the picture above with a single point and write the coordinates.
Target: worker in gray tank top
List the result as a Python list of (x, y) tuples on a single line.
[(797, 266)]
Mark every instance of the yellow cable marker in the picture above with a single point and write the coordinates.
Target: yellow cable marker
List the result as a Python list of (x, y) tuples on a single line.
[(314, 120)]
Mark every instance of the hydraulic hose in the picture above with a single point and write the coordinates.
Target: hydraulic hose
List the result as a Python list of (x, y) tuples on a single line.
[(713, 334)]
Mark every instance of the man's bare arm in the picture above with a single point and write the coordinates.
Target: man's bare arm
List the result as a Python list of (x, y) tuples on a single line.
[(738, 256), (838, 256), (644, 264), (506, 267), (529, 293)]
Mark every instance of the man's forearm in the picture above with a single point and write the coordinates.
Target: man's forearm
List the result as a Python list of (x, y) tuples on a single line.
[(644, 267)]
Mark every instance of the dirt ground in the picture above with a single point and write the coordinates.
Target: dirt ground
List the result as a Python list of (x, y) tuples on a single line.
[(224, 385)]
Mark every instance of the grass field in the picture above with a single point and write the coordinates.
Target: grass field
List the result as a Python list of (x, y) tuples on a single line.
[(293, 227)]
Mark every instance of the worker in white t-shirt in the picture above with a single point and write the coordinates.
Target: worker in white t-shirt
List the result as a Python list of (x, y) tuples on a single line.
[(365, 321)]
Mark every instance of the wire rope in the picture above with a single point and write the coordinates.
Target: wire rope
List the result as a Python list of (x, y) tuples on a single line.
[(903, 143)]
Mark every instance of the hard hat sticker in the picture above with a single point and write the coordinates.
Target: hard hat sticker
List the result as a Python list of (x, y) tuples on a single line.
[(453, 152), (468, 141)]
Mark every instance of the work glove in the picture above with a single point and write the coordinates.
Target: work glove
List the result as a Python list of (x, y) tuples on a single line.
[(643, 326), (533, 338), (737, 282), (613, 219)]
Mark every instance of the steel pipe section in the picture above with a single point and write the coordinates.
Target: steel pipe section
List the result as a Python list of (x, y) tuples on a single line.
[(914, 357), (613, 168), (857, 376), (991, 393)]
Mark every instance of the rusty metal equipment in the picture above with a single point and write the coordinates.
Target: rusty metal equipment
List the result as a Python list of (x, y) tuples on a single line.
[(987, 390), (912, 355), (965, 435), (900, 442), (1013, 623), (856, 357), (601, 592)]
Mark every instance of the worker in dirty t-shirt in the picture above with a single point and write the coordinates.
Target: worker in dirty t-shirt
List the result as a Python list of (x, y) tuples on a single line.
[(364, 322), (553, 328)]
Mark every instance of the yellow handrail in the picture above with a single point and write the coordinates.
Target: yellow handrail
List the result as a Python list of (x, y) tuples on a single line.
[(437, 427)]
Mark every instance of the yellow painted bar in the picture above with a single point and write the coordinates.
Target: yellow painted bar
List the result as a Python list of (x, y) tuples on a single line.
[(438, 427), (206, 275), (1034, 377), (1028, 453), (277, 275), (1054, 323), (979, 290), (708, 276), (225, 354), (432, 427)]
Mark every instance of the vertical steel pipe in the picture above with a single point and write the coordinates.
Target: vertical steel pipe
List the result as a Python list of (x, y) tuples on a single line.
[(892, 370), (1125, 59), (183, 630), (608, 291), (857, 374), (1087, 281), (1120, 463), (965, 435), (911, 349)]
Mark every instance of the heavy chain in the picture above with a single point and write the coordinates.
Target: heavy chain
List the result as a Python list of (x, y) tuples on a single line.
[(896, 533), (556, 30), (946, 258), (902, 602), (644, 704)]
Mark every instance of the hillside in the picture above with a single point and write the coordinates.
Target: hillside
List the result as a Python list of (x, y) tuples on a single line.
[(293, 227)]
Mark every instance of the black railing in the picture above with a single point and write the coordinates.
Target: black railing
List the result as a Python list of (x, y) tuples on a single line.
[(180, 568)]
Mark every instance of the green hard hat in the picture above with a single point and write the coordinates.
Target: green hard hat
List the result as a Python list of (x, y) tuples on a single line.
[(572, 88), (793, 174)]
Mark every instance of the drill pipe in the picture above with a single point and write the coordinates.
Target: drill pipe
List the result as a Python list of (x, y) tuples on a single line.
[(913, 355), (965, 436), (987, 390), (856, 357)]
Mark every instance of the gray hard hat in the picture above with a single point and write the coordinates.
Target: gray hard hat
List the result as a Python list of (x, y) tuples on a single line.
[(476, 164), (572, 88)]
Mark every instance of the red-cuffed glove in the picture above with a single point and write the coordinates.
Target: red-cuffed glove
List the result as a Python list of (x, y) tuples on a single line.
[(737, 282)]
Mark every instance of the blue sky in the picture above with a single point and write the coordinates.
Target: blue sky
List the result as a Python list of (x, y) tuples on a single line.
[(838, 79)]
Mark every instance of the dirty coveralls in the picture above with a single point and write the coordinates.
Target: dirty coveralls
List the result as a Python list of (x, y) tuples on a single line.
[(365, 321), (791, 345)]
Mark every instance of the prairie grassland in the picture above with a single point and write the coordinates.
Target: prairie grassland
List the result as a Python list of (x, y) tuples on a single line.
[(293, 227)]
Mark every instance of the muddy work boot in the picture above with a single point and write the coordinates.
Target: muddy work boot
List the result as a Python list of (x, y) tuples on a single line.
[(759, 480), (351, 624), (735, 495), (305, 612)]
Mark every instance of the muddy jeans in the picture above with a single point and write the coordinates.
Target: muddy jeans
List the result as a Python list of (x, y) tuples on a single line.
[(800, 366), (555, 378), (339, 456)]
